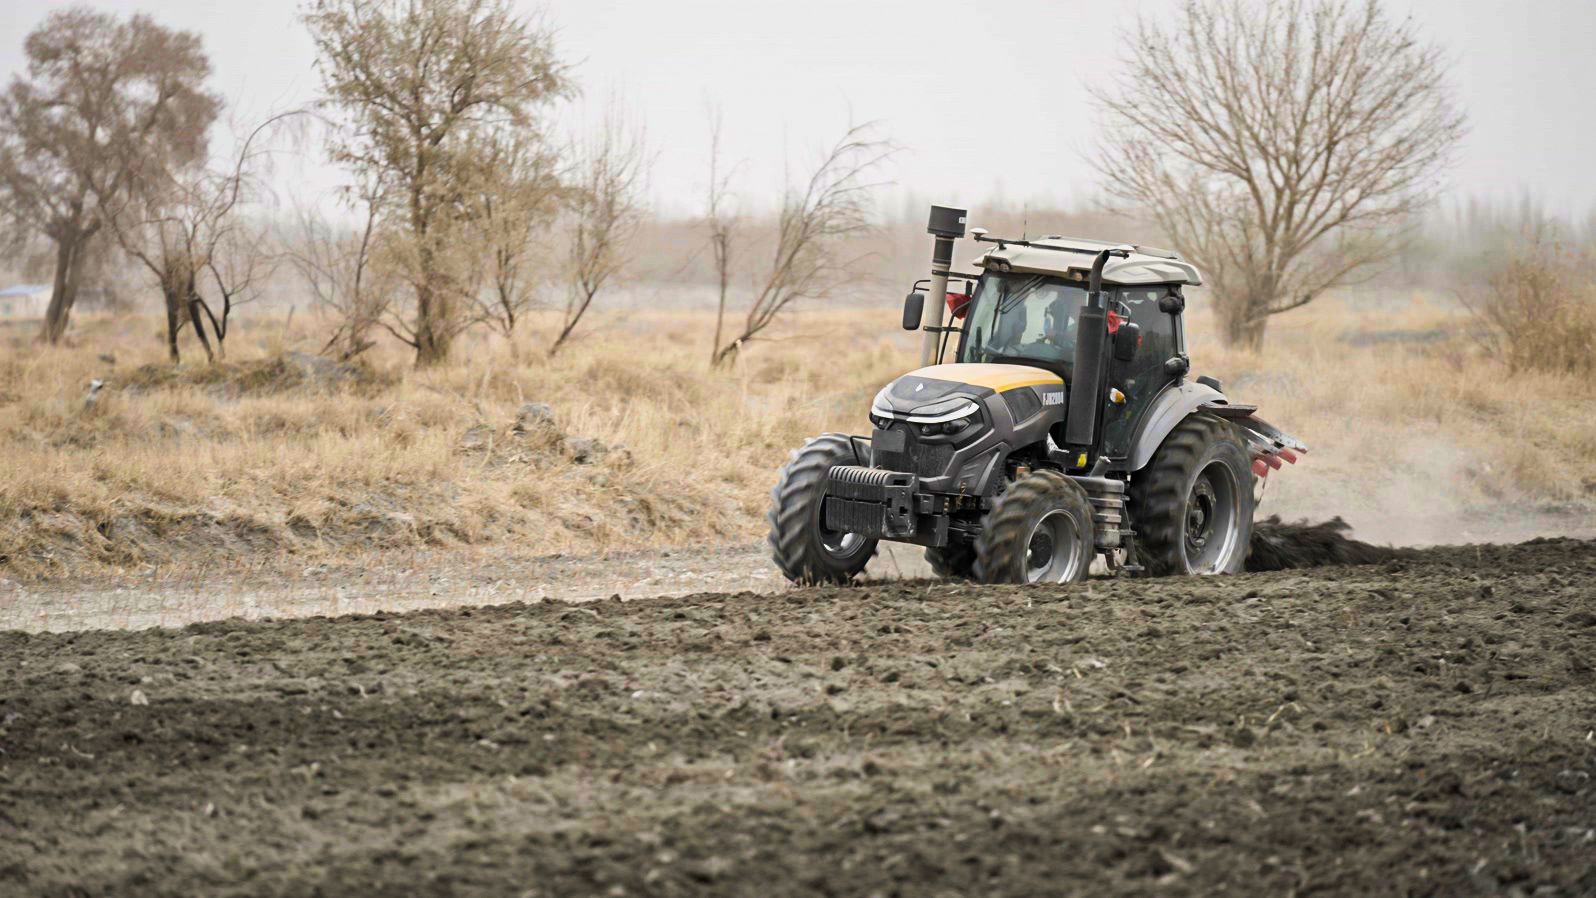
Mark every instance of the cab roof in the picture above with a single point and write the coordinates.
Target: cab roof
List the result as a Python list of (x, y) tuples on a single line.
[(1071, 257)]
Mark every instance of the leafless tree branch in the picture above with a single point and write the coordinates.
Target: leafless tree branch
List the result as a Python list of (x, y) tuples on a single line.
[(1278, 143)]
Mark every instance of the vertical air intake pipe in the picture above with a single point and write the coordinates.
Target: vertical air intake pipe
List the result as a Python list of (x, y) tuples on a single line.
[(1091, 363), (946, 225)]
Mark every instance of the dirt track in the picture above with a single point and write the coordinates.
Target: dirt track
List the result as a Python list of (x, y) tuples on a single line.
[(1418, 727)]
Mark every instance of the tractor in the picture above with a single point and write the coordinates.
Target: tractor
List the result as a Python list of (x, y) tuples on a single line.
[(1066, 427)]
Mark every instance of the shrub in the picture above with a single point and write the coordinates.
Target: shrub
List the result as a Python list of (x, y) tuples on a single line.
[(1537, 307)]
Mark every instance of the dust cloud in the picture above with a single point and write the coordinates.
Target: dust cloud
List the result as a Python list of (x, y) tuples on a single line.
[(1426, 490)]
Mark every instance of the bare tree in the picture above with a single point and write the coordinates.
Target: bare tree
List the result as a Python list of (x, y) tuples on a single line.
[(336, 265), (105, 101), (514, 197), (185, 229), (421, 83), (239, 265), (723, 224), (605, 208), (833, 204), (167, 234), (1277, 143)]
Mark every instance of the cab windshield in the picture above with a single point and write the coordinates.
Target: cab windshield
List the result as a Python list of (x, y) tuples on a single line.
[(1023, 318)]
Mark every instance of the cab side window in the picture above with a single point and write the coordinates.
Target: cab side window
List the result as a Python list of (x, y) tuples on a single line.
[(1142, 378), (1158, 328)]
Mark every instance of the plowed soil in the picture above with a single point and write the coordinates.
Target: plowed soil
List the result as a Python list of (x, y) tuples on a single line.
[(1419, 726)]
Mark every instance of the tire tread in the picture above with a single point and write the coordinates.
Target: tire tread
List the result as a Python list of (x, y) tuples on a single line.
[(1002, 541), (793, 509), (1158, 493)]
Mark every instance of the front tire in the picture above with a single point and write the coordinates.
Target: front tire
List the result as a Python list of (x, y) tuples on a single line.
[(1039, 531), (802, 547), (1192, 505)]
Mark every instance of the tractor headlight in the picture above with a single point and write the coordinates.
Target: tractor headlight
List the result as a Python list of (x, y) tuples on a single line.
[(952, 415), (948, 416), (881, 407)]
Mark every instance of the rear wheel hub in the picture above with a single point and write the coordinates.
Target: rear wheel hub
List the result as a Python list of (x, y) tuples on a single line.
[(1200, 514), (1213, 513)]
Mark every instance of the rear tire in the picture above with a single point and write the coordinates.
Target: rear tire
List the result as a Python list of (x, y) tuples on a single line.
[(1039, 531), (1192, 505), (955, 561), (803, 548)]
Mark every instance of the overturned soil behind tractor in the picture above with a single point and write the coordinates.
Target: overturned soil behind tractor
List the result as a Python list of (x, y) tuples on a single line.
[(1418, 726)]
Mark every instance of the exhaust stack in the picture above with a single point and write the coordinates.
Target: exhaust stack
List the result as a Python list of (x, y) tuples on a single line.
[(1091, 362), (946, 225)]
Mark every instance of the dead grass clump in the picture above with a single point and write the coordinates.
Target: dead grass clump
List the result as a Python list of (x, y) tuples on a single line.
[(1538, 307), (258, 377)]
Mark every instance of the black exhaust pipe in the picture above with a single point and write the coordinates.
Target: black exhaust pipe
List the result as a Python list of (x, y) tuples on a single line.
[(1091, 365)]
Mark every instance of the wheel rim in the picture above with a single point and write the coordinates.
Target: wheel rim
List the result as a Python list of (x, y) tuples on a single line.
[(1213, 513), (1052, 552), (839, 544)]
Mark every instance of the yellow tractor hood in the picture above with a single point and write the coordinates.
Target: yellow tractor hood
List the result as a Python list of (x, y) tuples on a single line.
[(997, 378)]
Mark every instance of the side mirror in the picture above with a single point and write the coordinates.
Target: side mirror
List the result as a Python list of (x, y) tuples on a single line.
[(913, 310), (1127, 340)]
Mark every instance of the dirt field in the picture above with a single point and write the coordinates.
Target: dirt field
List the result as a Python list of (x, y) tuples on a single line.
[(1422, 726)]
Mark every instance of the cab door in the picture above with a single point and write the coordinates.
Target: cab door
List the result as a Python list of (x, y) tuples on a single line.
[(1143, 377)]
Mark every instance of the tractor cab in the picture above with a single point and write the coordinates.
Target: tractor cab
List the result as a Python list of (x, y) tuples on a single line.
[(1025, 308)]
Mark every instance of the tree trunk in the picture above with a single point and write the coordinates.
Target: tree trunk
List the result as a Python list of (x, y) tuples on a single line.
[(174, 322), (715, 350), (726, 354), (1242, 324), (432, 334), (199, 323), (64, 290), (432, 348)]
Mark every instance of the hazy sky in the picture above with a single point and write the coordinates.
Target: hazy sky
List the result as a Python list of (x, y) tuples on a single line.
[(986, 99)]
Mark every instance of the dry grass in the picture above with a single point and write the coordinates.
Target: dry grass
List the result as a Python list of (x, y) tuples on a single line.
[(246, 460), (252, 460), (1537, 307), (1413, 425)]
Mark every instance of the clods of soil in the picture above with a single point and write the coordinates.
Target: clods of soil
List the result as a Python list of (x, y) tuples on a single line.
[(1278, 546), (1420, 726)]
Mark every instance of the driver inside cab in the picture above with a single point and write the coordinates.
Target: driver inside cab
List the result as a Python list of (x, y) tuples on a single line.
[(1009, 336), (1058, 324)]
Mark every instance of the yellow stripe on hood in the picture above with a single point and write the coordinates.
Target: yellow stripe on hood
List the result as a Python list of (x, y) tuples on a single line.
[(994, 377)]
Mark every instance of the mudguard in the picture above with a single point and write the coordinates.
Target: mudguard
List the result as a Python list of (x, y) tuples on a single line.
[(1264, 441), (1167, 410)]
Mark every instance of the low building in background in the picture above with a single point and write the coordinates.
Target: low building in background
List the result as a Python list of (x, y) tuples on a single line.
[(24, 301)]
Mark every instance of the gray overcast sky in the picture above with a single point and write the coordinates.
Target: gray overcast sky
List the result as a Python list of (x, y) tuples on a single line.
[(985, 99)]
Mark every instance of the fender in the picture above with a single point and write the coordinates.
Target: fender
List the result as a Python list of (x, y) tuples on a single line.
[(1167, 410)]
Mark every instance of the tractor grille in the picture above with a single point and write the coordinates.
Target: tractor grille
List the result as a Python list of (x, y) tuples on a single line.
[(898, 448)]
